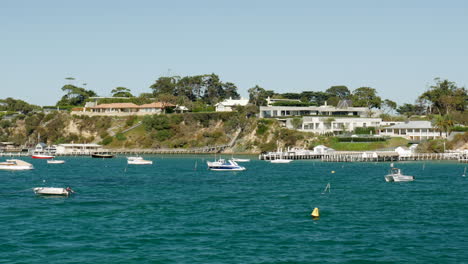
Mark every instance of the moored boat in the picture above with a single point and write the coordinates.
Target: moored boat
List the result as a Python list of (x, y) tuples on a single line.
[(138, 161), (102, 155), (54, 161), (223, 165), (396, 176), (15, 164), (280, 161), (42, 156), (53, 191)]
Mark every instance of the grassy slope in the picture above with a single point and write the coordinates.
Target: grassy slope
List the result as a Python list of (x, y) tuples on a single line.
[(364, 146)]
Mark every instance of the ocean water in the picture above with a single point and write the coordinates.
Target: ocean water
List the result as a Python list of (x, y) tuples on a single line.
[(176, 211)]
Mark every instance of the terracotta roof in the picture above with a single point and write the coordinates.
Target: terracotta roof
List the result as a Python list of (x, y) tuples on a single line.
[(156, 105), (116, 105)]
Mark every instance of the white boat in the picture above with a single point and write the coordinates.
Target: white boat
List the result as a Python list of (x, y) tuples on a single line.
[(138, 161), (280, 161), (224, 165), (396, 176), (53, 161), (53, 191), (240, 160), (15, 164), (42, 156)]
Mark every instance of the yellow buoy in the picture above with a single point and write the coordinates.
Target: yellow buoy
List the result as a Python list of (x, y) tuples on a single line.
[(315, 213), (332, 171)]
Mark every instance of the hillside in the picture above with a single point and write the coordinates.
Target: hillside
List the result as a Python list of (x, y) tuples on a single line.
[(181, 131)]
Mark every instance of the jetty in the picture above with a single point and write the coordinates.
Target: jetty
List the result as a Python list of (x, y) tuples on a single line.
[(363, 156)]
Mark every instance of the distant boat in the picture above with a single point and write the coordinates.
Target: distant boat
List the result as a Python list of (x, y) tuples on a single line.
[(138, 161), (223, 165), (280, 161), (396, 176), (15, 164), (54, 161), (240, 160), (42, 156), (102, 155), (53, 191)]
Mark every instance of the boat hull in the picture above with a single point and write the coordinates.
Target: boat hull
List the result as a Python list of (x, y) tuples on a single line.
[(398, 178), (8, 167), (55, 161), (51, 191), (40, 156), (102, 156), (140, 162), (280, 161)]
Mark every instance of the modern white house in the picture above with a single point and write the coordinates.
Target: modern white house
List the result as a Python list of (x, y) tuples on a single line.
[(336, 125), (70, 149), (412, 130), (324, 110), (228, 104)]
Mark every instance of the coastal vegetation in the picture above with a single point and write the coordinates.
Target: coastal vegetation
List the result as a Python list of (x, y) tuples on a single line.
[(444, 104)]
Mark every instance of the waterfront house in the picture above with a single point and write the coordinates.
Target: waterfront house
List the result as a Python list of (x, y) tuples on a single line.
[(75, 149), (228, 104), (335, 125), (324, 110), (123, 109), (412, 130), (40, 147)]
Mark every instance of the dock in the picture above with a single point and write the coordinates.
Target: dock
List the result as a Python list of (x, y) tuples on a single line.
[(367, 156)]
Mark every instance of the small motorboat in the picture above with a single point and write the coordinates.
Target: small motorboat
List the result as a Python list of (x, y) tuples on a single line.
[(102, 155), (240, 160), (138, 161), (280, 161), (53, 191), (396, 176), (54, 161), (42, 156), (15, 164), (223, 165)]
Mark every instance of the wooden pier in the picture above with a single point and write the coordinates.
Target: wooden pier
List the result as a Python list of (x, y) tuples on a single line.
[(347, 156)]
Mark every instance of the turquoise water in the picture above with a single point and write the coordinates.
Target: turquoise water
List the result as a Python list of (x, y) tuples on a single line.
[(176, 211)]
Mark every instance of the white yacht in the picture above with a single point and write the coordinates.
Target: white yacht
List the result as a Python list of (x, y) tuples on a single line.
[(396, 176), (15, 164), (280, 161), (224, 165), (54, 161), (138, 161), (53, 191)]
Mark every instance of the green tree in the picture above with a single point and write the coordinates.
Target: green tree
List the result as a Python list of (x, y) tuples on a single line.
[(389, 106), (165, 85), (121, 92), (446, 97), (366, 97), (444, 124), (75, 96), (258, 95), (340, 91)]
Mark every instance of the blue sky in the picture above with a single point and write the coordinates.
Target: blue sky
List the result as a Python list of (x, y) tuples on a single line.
[(397, 47)]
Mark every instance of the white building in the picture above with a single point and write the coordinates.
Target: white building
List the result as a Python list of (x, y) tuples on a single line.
[(405, 151), (228, 104), (412, 130), (321, 149), (70, 149), (334, 125), (324, 110)]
